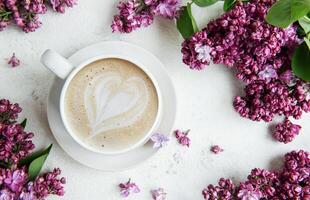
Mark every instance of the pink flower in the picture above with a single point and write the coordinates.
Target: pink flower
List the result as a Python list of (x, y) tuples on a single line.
[(286, 131), (128, 188), (216, 149), (249, 193), (5, 194), (159, 140), (158, 194), (14, 61), (287, 77), (182, 137), (167, 8), (268, 73), (203, 52), (15, 180)]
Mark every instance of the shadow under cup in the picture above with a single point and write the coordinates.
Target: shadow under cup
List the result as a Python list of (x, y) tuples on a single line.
[(110, 105)]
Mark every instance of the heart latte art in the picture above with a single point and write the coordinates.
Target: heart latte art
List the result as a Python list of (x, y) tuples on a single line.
[(111, 104)]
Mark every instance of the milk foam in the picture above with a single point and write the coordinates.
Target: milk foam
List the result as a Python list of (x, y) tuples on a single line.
[(110, 104)]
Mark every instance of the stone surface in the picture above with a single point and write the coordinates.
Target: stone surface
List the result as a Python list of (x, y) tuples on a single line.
[(205, 106)]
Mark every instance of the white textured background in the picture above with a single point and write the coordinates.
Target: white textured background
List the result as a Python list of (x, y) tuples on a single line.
[(204, 106)]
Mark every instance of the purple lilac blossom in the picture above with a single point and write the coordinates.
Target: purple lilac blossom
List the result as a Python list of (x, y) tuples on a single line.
[(158, 194), (248, 192), (14, 61), (159, 140), (16, 144), (261, 56), (286, 132), (291, 182), (268, 74), (134, 14), (216, 149), (128, 188), (182, 137), (25, 14)]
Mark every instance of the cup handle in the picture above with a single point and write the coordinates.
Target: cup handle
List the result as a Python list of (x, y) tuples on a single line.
[(56, 63)]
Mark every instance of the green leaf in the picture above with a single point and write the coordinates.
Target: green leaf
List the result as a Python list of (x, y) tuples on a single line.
[(307, 42), (204, 3), (35, 162), (228, 4), (285, 12), (24, 123), (301, 62), (305, 23), (186, 23)]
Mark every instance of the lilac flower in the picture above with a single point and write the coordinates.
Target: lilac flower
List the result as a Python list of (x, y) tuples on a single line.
[(16, 144), (15, 180), (216, 149), (60, 5), (249, 193), (286, 131), (5, 194), (196, 51), (182, 137), (159, 140), (128, 188), (167, 8), (203, 52), (25, 14), (134, 14), (261, 56), (47, 184), (14, 61), (224, 190), (268, 73), (158, 194), (27, 196), (287, 77)]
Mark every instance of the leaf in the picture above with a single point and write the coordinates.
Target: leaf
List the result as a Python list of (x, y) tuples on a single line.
[(305, 23), (35, 162), (186, 23), (307, 42), (24, 123), (204, 3), (301, 62), (285, 12), (228, 4)]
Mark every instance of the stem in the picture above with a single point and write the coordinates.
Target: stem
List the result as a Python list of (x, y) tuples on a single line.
[(5, 14)]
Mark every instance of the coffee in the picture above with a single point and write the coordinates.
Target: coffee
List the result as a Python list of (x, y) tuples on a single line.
[(110, 104)]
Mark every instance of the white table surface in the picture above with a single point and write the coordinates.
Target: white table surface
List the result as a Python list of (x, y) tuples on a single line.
[(204, 106)]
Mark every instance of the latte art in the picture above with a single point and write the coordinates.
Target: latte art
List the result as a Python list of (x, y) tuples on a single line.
[(110, 104)]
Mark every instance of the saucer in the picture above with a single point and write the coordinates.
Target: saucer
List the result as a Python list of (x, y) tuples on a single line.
[(134, 157)]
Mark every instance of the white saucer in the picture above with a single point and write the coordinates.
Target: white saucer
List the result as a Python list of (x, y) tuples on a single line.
[(121, 161)]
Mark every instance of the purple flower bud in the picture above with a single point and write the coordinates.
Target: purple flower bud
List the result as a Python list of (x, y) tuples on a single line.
[(14, 61)]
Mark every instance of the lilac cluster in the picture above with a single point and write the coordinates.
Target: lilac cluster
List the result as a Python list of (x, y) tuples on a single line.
[(128, 188), (134, 14), (25, 13), (292, 182), (16, 144), (260, 54), (286, 131), (182, 137), (14, 185)]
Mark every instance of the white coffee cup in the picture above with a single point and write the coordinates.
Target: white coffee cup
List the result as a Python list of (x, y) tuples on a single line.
[(62, 68)]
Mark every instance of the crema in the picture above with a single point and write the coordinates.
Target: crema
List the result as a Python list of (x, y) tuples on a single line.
[(111, 104)]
